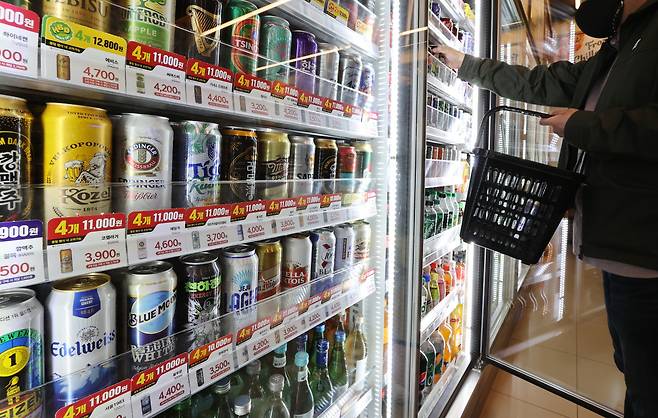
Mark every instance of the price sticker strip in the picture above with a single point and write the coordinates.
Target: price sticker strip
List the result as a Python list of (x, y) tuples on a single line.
[(211, 362), (157, 234), (19, 40), (21, 249), (287, 99), (155, 73), (160, 387), (253, 95), (78, 245), (210, 227), (113, 401)]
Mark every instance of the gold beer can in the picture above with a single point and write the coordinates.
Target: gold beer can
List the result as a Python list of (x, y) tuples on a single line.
[(76, 160), (95, 14), (272, 164)]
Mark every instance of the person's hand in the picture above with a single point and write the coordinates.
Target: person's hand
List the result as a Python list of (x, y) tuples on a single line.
[(558, 120), (451, 57)]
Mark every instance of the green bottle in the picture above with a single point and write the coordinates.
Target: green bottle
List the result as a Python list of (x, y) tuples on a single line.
[(338, 365), (182, 409), (300, 347), (318, 335), (429, 225), (254, 389), (279, 363), (276, 407), (439, 212), (321, 386), (237, 385), (222, 405), (202, 404), (242, 406), (302, 397)]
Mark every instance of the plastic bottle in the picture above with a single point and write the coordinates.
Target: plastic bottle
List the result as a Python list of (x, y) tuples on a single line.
[(424, 295), (447, 278), (429, 223), (430, 352), (437, 342), (276, 407), (440, 215), (435, 292), (446, 332)]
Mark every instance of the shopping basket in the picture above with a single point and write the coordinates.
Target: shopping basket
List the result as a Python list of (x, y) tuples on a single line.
[(514, 205)]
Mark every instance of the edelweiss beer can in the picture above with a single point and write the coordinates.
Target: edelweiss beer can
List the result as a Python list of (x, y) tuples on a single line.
[(327, 70), (346, 168), (363, 164), (270, 256), (239, 285), (349, 77), (326, 156), (273, 153), (202, 278), (297, 250), (148, 22), (15, 159), (81, 336), (21, 342), (197, 158), (240, 40), (238, 166), (362, 234), (274, 48), (142, 162), (304, 45), (76, 167), (322, 259), (345, 238), (150, 295), (301, 165), (95, 14), (196, 18)]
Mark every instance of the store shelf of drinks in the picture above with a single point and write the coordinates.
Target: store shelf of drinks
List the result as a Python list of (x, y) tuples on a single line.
[(457, 11), (441, 244), (441, 172), (443, 81), (351, 403), (440, 312), (448, 378)]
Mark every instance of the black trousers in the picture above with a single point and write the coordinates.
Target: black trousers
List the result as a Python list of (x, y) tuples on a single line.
[(632, 306)]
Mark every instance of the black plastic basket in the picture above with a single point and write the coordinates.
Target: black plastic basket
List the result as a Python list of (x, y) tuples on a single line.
[(514, 205)]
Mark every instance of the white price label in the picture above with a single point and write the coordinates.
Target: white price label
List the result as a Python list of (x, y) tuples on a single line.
[(316, 119), (208, 85), (315, 317), (216, 237), (288, 224), (334, 306), (338, 122), (291, 330), (157, 234), (21, 249), (258, 231), (256, 106), (336, 216), (160, 387), (291, 113), (211, 362), (19, 40), (155, 73), (313, 220)]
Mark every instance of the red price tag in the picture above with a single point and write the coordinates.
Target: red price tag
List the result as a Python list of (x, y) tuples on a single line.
[(209, 85), (112, 401), (281, 207), (156, 73), (247, 83), (203, 215), (19, 40), (159, 387), (248, 211), (157, 234), (210, 363)]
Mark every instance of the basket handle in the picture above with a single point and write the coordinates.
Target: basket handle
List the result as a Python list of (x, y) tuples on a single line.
[(494, 110)]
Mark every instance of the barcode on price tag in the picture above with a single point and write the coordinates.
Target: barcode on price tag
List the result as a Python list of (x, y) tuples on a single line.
[(113, 401), (160, 387), (208, 85), (21, 253), (211, 362), (19, 40), (155, 73), (157, 234)]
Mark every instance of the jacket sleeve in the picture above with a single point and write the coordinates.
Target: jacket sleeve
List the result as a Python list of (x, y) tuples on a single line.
[(548, 85)]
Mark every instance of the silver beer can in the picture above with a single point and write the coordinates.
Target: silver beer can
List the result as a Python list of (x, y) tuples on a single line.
[(239, 286), (345, 238), (349, 77), (322, 259), (366, 86), (142, 162), (362, 232), (327, 70), (297, 253), (301, 165)]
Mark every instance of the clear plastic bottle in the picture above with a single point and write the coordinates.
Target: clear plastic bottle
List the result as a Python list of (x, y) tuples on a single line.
[(276, 407), (447, 211), (436, 202), (429, 221), (430, 353), (425, 294), (356, 353), (254, 389), (435, 292)]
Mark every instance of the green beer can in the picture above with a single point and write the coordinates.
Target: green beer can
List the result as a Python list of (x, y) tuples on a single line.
[(240, 40), (274, 48), (148, 22)]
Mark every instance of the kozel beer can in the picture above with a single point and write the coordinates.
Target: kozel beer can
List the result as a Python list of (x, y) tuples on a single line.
[(273, 153), (274, 48), (239, 286), (240, 40), (297, 250), (148, 22), (76, 160), (238, 166), (327, 70), (301, 165), (346, 168), (322, 259), (363, 164), (197, 158), (150, 295), (349, 76), (81, 337), (270, 256), (198, 36), (95, 14), (142, 162), (326, 156), (21, 342), (202, 281), (303, 74), (15, 159)]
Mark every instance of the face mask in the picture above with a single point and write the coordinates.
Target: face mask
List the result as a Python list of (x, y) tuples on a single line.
[(599, 18)]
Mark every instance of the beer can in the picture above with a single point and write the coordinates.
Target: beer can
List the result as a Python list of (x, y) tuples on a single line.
[(366, 84), (297, 250), (352, 7), (303, 75), (327, 70), (15, 159), (21, 342), (301, 165), (349, 77), (346, 168), (274, 48), (326, 155), (363, 164), (24, 4), (81, 336), (197, 158), (322, 259), (94, 14), (238, 165), (239, 286), (76, 167), (142, 162), (273, 153), (150, 296), (148, 22), (345, 238), (240, 40), (362, 232), (270, 256), (196, 18), (201, 305)]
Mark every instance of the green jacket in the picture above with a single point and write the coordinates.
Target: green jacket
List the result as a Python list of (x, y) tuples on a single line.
[(620, 198)]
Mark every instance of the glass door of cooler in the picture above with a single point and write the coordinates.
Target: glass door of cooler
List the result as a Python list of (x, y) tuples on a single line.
[(193, 202)]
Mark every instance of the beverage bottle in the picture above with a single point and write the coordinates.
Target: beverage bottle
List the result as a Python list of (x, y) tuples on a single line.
[(447, 277), (422, 374), (437, 342), (445, 331), (302, 397), (438, 272), (447, 212), (202, 404), (429, 225), (338, 365), (455, 338), (356, 352), (428, 349), (276, 406), (335, 324), (300, 347), (455, 208), (453, 272), (182, 409), (242, 406), (237, 386), (318, 335), (424, 295), (436, 203), (320, 382), (254, 389), (221, 393), (279, 362), (434, 285)]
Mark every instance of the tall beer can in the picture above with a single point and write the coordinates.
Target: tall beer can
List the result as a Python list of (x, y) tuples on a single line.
[(238, 166), (366, 83), (239, 286), (322, 259), (81, 336), (303, 75), (15, 159), (150, 296), (270, 256), (274, 48), (362, 232), (148, 22), (195, 18), (77, 142), (349, 76), (240, 40), (346, 168), (95, 14), (301, 165), (21, 342), (345, 238), (297, 250), (363, 164), (202, 279), (273, 153), (326, 156), (142, 161), (327, 69), (197, 158)]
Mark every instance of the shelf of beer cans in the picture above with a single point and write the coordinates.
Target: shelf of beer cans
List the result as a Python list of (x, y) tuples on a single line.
[(440, 245), (439, 173), (449, 378), (440, 312), (457, 92)]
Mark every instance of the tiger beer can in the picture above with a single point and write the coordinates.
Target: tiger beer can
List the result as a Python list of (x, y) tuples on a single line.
[(297, 254), (239, 286), (270, 256), (322, 259), (301, 165)]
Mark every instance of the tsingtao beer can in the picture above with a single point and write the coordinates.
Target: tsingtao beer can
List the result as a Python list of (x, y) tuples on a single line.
[(148, 22), (273, 153), (346, 168), (366, 86), (142, 162), (326, 156), (81, 336), (297, 256), (349, 77), (76, 166), (201, 276), (322, 259), (303, 75), (238, 165), (15, 159), (197, 159), (274, 48), (327, 70), (345, 238), (95, 14), (197, 18), (239, 285), (301, 165), (240, 40), (363, 164)]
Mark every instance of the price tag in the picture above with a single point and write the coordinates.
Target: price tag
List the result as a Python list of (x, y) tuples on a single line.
[(313, 106), (79, 55), (113, 401), (335, 306), (336, 216), (249, 211), (337, 11), (331, 201), (155, 73), (313, 202), (316, 119), (281, 207), (356, 120), (286, 98), (157, 234), (84, 244), (338, 122), (21, 249), (288, 225), (248, 340), (19, 40), (291, 329), (258, 231), (317, 3), (209, 227), (372, 121), (209, 85), (159, 387), (254, 95), (315, 317), (211, 362), (315, 300), (313, 220), (263, 345)]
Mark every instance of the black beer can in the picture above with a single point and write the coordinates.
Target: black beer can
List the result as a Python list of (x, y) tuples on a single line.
[(324, 173), (238, 166), (197, 17)]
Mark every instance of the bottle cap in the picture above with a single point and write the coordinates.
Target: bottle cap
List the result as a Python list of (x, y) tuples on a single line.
[(339, 337), (358, 320), (253, 368), (276, 383), (301, 359), (281, 349), (302, 338), (222, 386), (320, 328), (242, 405), (322, 345)]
